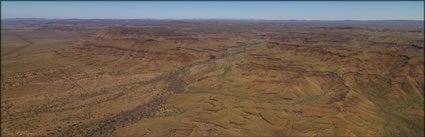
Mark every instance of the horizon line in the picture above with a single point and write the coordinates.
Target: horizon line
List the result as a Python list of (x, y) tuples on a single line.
[(211, 19)]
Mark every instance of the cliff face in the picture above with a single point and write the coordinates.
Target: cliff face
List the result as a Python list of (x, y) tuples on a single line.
[(224, 79)]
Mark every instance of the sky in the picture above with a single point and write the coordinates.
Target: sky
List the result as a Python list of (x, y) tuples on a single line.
[(281, 10)]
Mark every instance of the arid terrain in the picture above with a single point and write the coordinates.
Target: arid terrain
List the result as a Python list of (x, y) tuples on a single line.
[(210, 78)]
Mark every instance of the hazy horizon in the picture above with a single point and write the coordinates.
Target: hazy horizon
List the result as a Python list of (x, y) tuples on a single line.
[(205, 19)]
